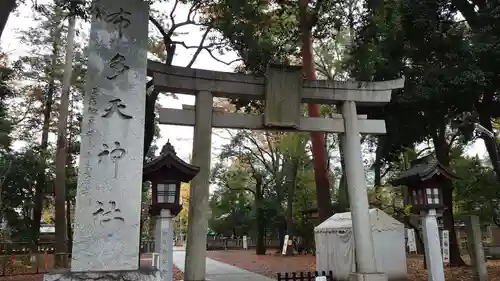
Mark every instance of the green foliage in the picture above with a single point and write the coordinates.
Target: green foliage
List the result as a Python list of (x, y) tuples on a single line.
[(433, 52), (260, 35), (231, 212), (262, 164), (35, 90), (17, 192), (478, 192), (5, 93), (231, 204)]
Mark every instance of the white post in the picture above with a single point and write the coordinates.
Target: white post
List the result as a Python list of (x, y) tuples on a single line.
[(445, 246), (412, 242), (432, 245), (155, 260), (358, 197), (196, 244), (166, 241), (245, 242)]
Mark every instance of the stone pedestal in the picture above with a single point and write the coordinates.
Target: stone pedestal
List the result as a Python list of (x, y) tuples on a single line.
[(164, 243), (368, 277), (105, 276), (433, 257)]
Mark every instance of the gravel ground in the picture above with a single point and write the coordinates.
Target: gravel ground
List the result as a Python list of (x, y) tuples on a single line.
[(272, 263), (177, 273)]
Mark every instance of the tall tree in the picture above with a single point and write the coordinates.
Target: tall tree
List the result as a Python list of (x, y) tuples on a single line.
[(307, 20), (6, 92), (61, 150), (41, 72), (258, 154), (293, 147), (41, 187), (483, 18), (282, 31), (424, 43)]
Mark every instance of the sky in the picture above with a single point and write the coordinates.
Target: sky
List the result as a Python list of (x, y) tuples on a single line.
[(179, 136)]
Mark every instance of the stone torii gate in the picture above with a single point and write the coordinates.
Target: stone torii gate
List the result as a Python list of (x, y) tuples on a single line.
[(284, 90)]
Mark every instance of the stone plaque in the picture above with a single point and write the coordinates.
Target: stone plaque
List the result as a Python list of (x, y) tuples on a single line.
[(283, 97), (108, 201)]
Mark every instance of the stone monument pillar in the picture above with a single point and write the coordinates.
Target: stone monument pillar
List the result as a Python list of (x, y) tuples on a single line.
[(165, 239), (108, 201), (476, 248)]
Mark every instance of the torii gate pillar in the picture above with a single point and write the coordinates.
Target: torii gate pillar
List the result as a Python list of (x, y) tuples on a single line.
[(366, 267), (199, 190)]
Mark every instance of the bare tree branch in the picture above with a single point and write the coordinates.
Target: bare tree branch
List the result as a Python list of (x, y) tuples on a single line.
[(183, 44), (200, 47), (25, 115), (158, 26), (241, 189), (172, 20), (221, 61), (192, 10), (261, 151)]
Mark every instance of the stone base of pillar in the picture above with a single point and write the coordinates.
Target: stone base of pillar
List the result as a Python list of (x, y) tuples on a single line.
[(367, 277), (136, 275)]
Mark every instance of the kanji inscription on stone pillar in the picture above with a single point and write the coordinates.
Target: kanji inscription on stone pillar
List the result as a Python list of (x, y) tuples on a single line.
[(108, 201)]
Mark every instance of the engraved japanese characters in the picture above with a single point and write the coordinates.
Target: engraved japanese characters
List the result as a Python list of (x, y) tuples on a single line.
[(108, 201)]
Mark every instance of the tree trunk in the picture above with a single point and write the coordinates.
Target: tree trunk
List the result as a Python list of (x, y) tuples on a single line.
[(420, 243), (343, 195), (449, 224), (61, 153), (418, 236), (442, 150), (294, 161), (69, 233), (41, 180), (318, 142), (491, 144), (260, 247), (6, 8), (377, 166), (149, 118), (40, 186)]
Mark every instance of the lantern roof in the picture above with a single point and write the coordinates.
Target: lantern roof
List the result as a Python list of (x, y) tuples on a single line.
[(423, 169), (170, 166)]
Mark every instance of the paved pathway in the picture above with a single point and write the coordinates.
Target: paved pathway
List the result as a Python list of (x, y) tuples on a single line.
[(218, 271)]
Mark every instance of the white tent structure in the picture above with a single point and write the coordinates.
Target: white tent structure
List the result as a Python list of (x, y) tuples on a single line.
[(335, 245)]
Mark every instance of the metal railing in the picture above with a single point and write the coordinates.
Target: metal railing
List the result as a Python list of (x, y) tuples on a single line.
[(219, 243), (26, 247)]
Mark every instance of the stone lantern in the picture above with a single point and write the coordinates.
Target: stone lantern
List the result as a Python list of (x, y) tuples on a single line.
[(166, 173), (425, 182)]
